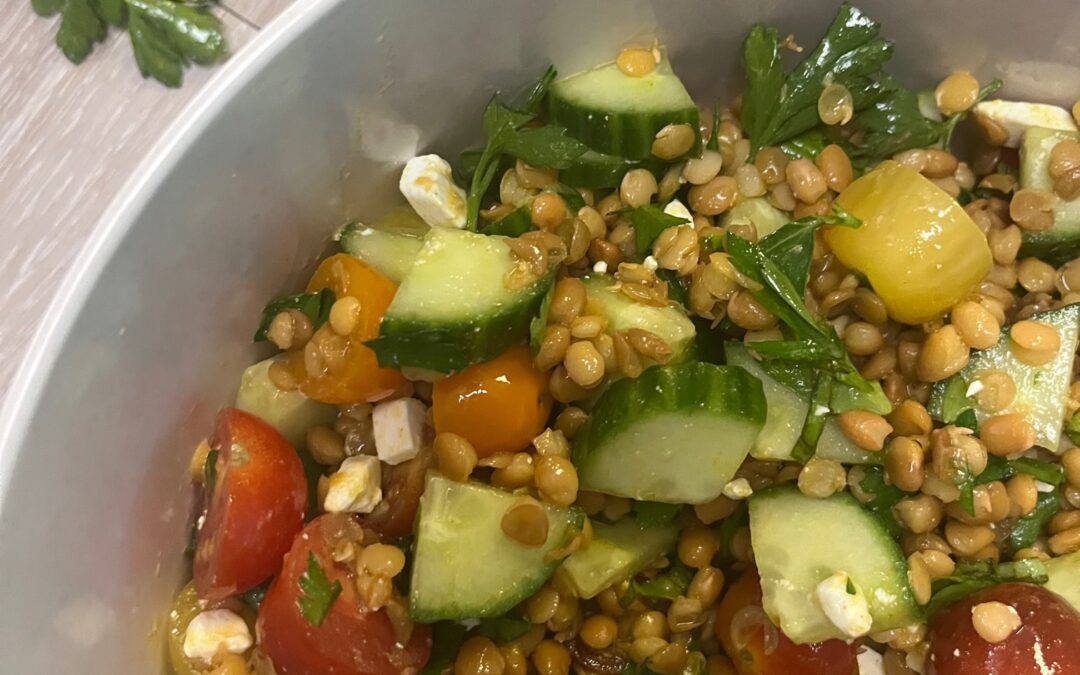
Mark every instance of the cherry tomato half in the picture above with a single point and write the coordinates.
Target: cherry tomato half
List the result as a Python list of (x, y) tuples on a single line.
[(499, 405), (256, 508), (353, 375), (350, 640), (832, 657), (1047, 641)]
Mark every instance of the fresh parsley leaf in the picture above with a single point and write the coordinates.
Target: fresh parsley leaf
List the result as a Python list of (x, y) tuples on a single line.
[(677, 288), (80, 28), (780, 108), (113, 12), (513, 224), (965, 483), (315, 306), (649, 221), (46, 7), (446, 639), (883, 497), (547, 146), (1072, 428), (949, 125), (806, 145), (892, 124), (191, 28), (725, 533), (792, 246), (654, 514), (313, 471), (536, 93), (210, 472), (1047, 472), (317, 594), (954, 400), (714, 138), (538, 325), (1023, 531), (711, 243), (974, 575), (967, 420), (505, 628), (574, 200), (798, 377), (154, 54), (668, 586)]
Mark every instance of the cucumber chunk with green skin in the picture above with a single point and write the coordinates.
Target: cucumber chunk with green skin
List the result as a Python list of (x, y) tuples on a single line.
[(676, 434), (453, 308), (668, 323), (786, 410), (834, 445), (1064, 573), (464, 566), (800, 541), (390, 245), (620, 115), (1042, 392), (290, 412), (616, 552), (756, 211), (1064, 236), (597, 171)]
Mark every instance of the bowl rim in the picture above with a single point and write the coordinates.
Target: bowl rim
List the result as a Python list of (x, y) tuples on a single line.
[(28, 386)]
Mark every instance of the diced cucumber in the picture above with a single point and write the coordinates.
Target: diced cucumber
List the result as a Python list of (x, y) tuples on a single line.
[(786, 412), (290, 412), (390, 245), (617, 552), (620, 115), (799, 541), (597, 171), (765, 217), (834, 445), (1064, 573), (453, 308), (1064, 236), (669, 323), (1041, 391), (676, 434), (465, 566)]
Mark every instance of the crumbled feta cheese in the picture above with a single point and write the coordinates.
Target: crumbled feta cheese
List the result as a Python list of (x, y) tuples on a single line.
[(428, 185), (214, 630), (1043, 487), (679, 210), (600, 267), (399, 429), (1017, 116), (356, 487), (974, 388), (847, 610), (650, 263), (738, 489), (820, 410), (870, 662)]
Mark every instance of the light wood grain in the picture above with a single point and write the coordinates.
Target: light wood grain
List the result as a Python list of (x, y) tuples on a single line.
[(69, 139)]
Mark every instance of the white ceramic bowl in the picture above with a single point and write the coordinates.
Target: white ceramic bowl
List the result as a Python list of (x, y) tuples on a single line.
[(309, 125)]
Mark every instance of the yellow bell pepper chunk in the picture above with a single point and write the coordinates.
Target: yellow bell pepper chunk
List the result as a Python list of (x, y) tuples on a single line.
[(917, 246)]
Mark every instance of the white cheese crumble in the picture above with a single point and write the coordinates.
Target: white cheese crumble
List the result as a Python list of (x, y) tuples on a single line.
[(1017, 116), (356, 487), (214, 630), (1043, 487), (974, 388), (679, 210), (428, 184), (650, 263), (847, 610), (870, 662), (399, 429), (600, 267), (738, 489)]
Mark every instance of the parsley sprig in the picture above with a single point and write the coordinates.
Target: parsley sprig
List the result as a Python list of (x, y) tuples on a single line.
[(974, 575), (166, 35), (317, 594)]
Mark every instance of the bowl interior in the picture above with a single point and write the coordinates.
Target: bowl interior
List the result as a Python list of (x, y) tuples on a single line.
[(310, 126)]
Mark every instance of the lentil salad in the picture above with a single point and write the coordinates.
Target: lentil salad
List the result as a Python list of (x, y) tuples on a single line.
[(778, 385)]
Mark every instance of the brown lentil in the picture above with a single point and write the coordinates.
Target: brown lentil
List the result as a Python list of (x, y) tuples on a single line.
[(745, 311), (548, 211), (957, 92), (877, 366), (835, 105), (919, 513), (1070, 460), (673, 141), (1067, 186), (749, 182), (627, 357), (568, 301), (918, 578), (821, 478), (701, 170), (862, 339), (556, 480), (1034, 343), (944, 353), (976, 326), (587, 326), (697, 546), (968, 539), (1007, 434), (533, 177), (1065, 541), (910, 418), (716, 510), (635, 61), (1035, 275), (714, 197), (649, 345), (326, 446), (552, 347), (1004, 243), (1032, 210), (806, 180), (904, 463), (455, 455), (993, 132), (994, 621), (781, 197), (997, 390), (939, 163), (526, 522), (771, 163), (344, 315), (517, 474), (677, 249), (706, 585), (599, 631), (289, 329), (865, 429), (637, 188), (551, 658), (835, 166)]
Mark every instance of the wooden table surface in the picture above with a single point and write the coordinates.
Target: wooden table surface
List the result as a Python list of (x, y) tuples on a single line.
[(70, 136)]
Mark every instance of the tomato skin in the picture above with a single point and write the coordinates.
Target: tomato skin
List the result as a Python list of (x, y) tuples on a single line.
[(1047, 620), (349, 641), (359, 377), (255, 511), (498, 406), (832, 657)]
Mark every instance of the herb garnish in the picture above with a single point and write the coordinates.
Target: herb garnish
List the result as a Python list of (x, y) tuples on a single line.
[(974, 575), (315, 306), (317, 594), (649, 221), (166, 35)]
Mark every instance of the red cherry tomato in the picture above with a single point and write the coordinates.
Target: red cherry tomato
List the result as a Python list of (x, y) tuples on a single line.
[(255, 511), (1047, 641), (350, 640), (743, 599)]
